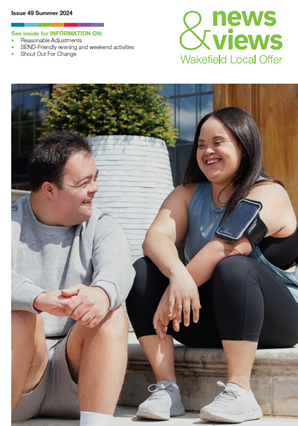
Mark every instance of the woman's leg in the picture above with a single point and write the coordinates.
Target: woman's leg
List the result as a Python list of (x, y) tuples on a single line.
[(161, 357), (251, 305), (240, 356), (142, 303)]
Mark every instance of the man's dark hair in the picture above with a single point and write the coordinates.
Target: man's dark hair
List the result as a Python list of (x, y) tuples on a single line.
[(47, 160)]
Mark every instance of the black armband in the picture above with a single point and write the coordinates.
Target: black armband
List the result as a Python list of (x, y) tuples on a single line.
[(244, 221)]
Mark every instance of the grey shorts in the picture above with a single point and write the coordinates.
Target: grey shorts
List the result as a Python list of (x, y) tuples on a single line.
[(56, 395)]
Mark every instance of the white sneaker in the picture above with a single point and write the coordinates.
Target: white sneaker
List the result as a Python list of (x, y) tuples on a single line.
[(233, 405), (164, 402)]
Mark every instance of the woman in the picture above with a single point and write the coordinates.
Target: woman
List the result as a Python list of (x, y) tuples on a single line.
[(228, 294)]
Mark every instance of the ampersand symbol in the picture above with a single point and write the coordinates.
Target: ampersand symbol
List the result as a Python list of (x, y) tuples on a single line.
[(191, 30)]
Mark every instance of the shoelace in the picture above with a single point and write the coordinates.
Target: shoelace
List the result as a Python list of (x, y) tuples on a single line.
[(159, 387), (231, 394)]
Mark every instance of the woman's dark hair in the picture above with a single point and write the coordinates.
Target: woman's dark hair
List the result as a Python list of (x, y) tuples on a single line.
[(47, 160), (247, 134)]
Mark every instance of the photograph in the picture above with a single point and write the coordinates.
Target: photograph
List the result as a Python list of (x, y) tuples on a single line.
[(175, 206)]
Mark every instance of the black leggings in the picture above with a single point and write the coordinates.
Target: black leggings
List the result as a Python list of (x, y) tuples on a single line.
[(243, 300)]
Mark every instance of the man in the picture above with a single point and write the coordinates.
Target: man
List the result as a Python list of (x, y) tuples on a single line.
[(72, 264)]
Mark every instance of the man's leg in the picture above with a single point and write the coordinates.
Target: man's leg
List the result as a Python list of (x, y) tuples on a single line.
[(97, 359), (29, 354)]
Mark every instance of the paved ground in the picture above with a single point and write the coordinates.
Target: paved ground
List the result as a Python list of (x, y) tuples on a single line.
[(126, 416)]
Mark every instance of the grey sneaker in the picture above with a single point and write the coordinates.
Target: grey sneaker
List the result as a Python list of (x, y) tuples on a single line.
[(164, 402), (233, 405)]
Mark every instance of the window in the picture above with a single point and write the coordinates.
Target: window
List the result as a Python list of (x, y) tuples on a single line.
[(26, 118), (190, 102)]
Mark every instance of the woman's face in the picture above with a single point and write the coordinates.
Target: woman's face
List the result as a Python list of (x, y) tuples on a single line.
[(218, 154)]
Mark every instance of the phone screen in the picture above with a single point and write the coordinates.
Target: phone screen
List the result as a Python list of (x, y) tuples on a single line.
[(239, 219)]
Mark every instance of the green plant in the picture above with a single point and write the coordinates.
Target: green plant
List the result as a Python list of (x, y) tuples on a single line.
[(109, 109)]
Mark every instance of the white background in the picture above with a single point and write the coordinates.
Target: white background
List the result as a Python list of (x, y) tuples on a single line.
[(154, 28)]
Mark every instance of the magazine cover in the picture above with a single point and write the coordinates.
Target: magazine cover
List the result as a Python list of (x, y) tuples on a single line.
[(142, 83)]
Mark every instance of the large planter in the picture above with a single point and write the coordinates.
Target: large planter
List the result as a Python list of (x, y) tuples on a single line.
[(134, 179)]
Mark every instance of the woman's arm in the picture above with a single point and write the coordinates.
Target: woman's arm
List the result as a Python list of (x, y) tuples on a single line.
[(277, 214), (160, 245), (168, 230)]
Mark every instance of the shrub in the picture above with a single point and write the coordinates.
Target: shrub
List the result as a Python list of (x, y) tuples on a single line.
[(109, 109)]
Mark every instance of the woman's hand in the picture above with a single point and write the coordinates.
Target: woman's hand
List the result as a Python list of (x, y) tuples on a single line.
[(161, 317), (180, 296)]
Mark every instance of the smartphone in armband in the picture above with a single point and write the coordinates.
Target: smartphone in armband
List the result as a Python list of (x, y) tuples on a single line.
[(244, 221)]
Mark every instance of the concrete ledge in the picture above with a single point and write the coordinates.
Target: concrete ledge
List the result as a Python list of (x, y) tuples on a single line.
[(274, 378), (274, 383)]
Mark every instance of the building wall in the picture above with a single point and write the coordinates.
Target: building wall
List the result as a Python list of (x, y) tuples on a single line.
[(275, 109)]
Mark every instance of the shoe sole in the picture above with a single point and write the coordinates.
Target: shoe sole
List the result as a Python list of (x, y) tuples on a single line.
[(176, 411), (252, 414), (150, 416)]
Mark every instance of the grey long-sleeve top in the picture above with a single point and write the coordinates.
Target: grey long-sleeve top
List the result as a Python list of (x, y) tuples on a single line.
[(47, 258)]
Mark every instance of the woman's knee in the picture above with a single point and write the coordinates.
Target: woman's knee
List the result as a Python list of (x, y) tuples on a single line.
[(137, 289), (231, 272), (147, 290), (149, 281), (237, 299), (146, 271)]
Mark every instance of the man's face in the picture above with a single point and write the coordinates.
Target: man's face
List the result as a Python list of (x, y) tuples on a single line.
[(74, 201)]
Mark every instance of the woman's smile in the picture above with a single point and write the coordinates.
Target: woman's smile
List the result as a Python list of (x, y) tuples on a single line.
[(212, 161)]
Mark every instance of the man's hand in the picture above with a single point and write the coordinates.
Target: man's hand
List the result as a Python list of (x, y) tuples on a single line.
[(53, 302), (89, 306)]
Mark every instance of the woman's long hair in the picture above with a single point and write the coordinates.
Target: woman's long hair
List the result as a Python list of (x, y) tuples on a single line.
[(247, 134)]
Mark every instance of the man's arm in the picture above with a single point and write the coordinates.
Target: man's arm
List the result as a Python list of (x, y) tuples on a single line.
[(23, 290), (112, 276), (23, 293), (111, 261), (111, 281)]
